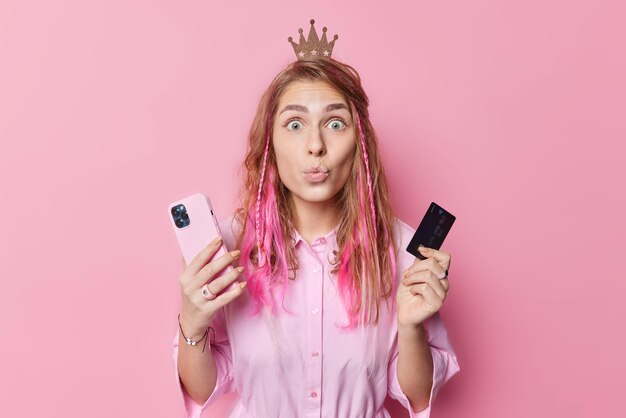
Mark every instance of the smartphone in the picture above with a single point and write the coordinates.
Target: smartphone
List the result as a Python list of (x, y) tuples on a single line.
[(195, 226), (433, 229)]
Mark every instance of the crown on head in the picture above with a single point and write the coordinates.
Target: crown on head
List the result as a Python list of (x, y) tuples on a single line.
[(313, 47)]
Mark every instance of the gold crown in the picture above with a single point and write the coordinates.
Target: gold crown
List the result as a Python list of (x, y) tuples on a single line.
[(313, 47)]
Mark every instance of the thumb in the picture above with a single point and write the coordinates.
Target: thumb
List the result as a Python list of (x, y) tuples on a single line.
[(183, 260)]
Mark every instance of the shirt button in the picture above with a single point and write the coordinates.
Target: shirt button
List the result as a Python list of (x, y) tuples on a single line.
[(316, 269), (315, 354), (314, 311), (313, 394)]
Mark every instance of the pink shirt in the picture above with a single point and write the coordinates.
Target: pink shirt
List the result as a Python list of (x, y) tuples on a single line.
[(312, 368)]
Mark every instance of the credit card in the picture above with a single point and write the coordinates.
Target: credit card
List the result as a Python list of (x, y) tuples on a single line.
[(432, 230)]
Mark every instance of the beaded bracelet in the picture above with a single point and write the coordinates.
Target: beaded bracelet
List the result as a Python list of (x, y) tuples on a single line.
[(189, 341)]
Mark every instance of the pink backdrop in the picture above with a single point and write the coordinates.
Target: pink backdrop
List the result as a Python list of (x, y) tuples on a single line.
[(509, 114)]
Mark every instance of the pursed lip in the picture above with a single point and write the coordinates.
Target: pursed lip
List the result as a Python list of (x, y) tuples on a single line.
[(317, 169)]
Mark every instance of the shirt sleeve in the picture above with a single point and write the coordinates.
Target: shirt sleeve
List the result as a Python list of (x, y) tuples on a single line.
[(445, 365), (223, 361)]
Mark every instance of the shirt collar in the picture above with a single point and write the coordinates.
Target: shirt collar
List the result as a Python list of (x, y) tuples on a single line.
[(322, 240)]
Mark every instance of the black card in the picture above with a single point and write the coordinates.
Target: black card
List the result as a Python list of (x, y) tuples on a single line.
[(432, 230)]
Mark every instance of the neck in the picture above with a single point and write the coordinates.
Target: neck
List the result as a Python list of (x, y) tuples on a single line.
[(314, 219)]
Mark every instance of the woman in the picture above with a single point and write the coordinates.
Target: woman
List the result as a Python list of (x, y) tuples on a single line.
[(328, 324)]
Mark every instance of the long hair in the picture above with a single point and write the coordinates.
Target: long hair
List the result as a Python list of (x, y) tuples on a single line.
[(365, 262)]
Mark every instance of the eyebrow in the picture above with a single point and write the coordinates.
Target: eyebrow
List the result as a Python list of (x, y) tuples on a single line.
[(300, 108)]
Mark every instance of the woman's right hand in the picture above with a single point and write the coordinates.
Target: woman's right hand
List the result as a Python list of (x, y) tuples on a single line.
[(197, 310)]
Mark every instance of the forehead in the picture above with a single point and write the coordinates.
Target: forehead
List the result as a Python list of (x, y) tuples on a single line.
[(301, 91)]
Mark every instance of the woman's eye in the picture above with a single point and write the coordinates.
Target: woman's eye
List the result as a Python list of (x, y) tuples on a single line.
[(293, 125), (337, 124)]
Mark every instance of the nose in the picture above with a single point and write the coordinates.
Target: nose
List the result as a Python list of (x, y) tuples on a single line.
[(316, 144)]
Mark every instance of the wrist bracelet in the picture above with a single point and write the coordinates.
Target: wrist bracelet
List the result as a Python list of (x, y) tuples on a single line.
[(189, 341)]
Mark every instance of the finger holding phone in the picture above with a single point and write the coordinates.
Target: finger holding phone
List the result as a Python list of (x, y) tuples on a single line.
[(201, 286)]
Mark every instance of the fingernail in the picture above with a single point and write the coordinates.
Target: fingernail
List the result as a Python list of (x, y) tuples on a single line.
[(239, 269), (243, 285), (235, 253), (423, 249), (441, 275), (216, 241)]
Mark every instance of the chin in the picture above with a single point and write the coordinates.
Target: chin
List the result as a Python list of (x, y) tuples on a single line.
[(319, 195)]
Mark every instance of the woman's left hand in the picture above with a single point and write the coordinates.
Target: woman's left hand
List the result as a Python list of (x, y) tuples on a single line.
[(422, 292)]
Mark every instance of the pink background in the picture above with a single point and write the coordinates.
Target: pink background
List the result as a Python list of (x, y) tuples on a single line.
[(508, 114)]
